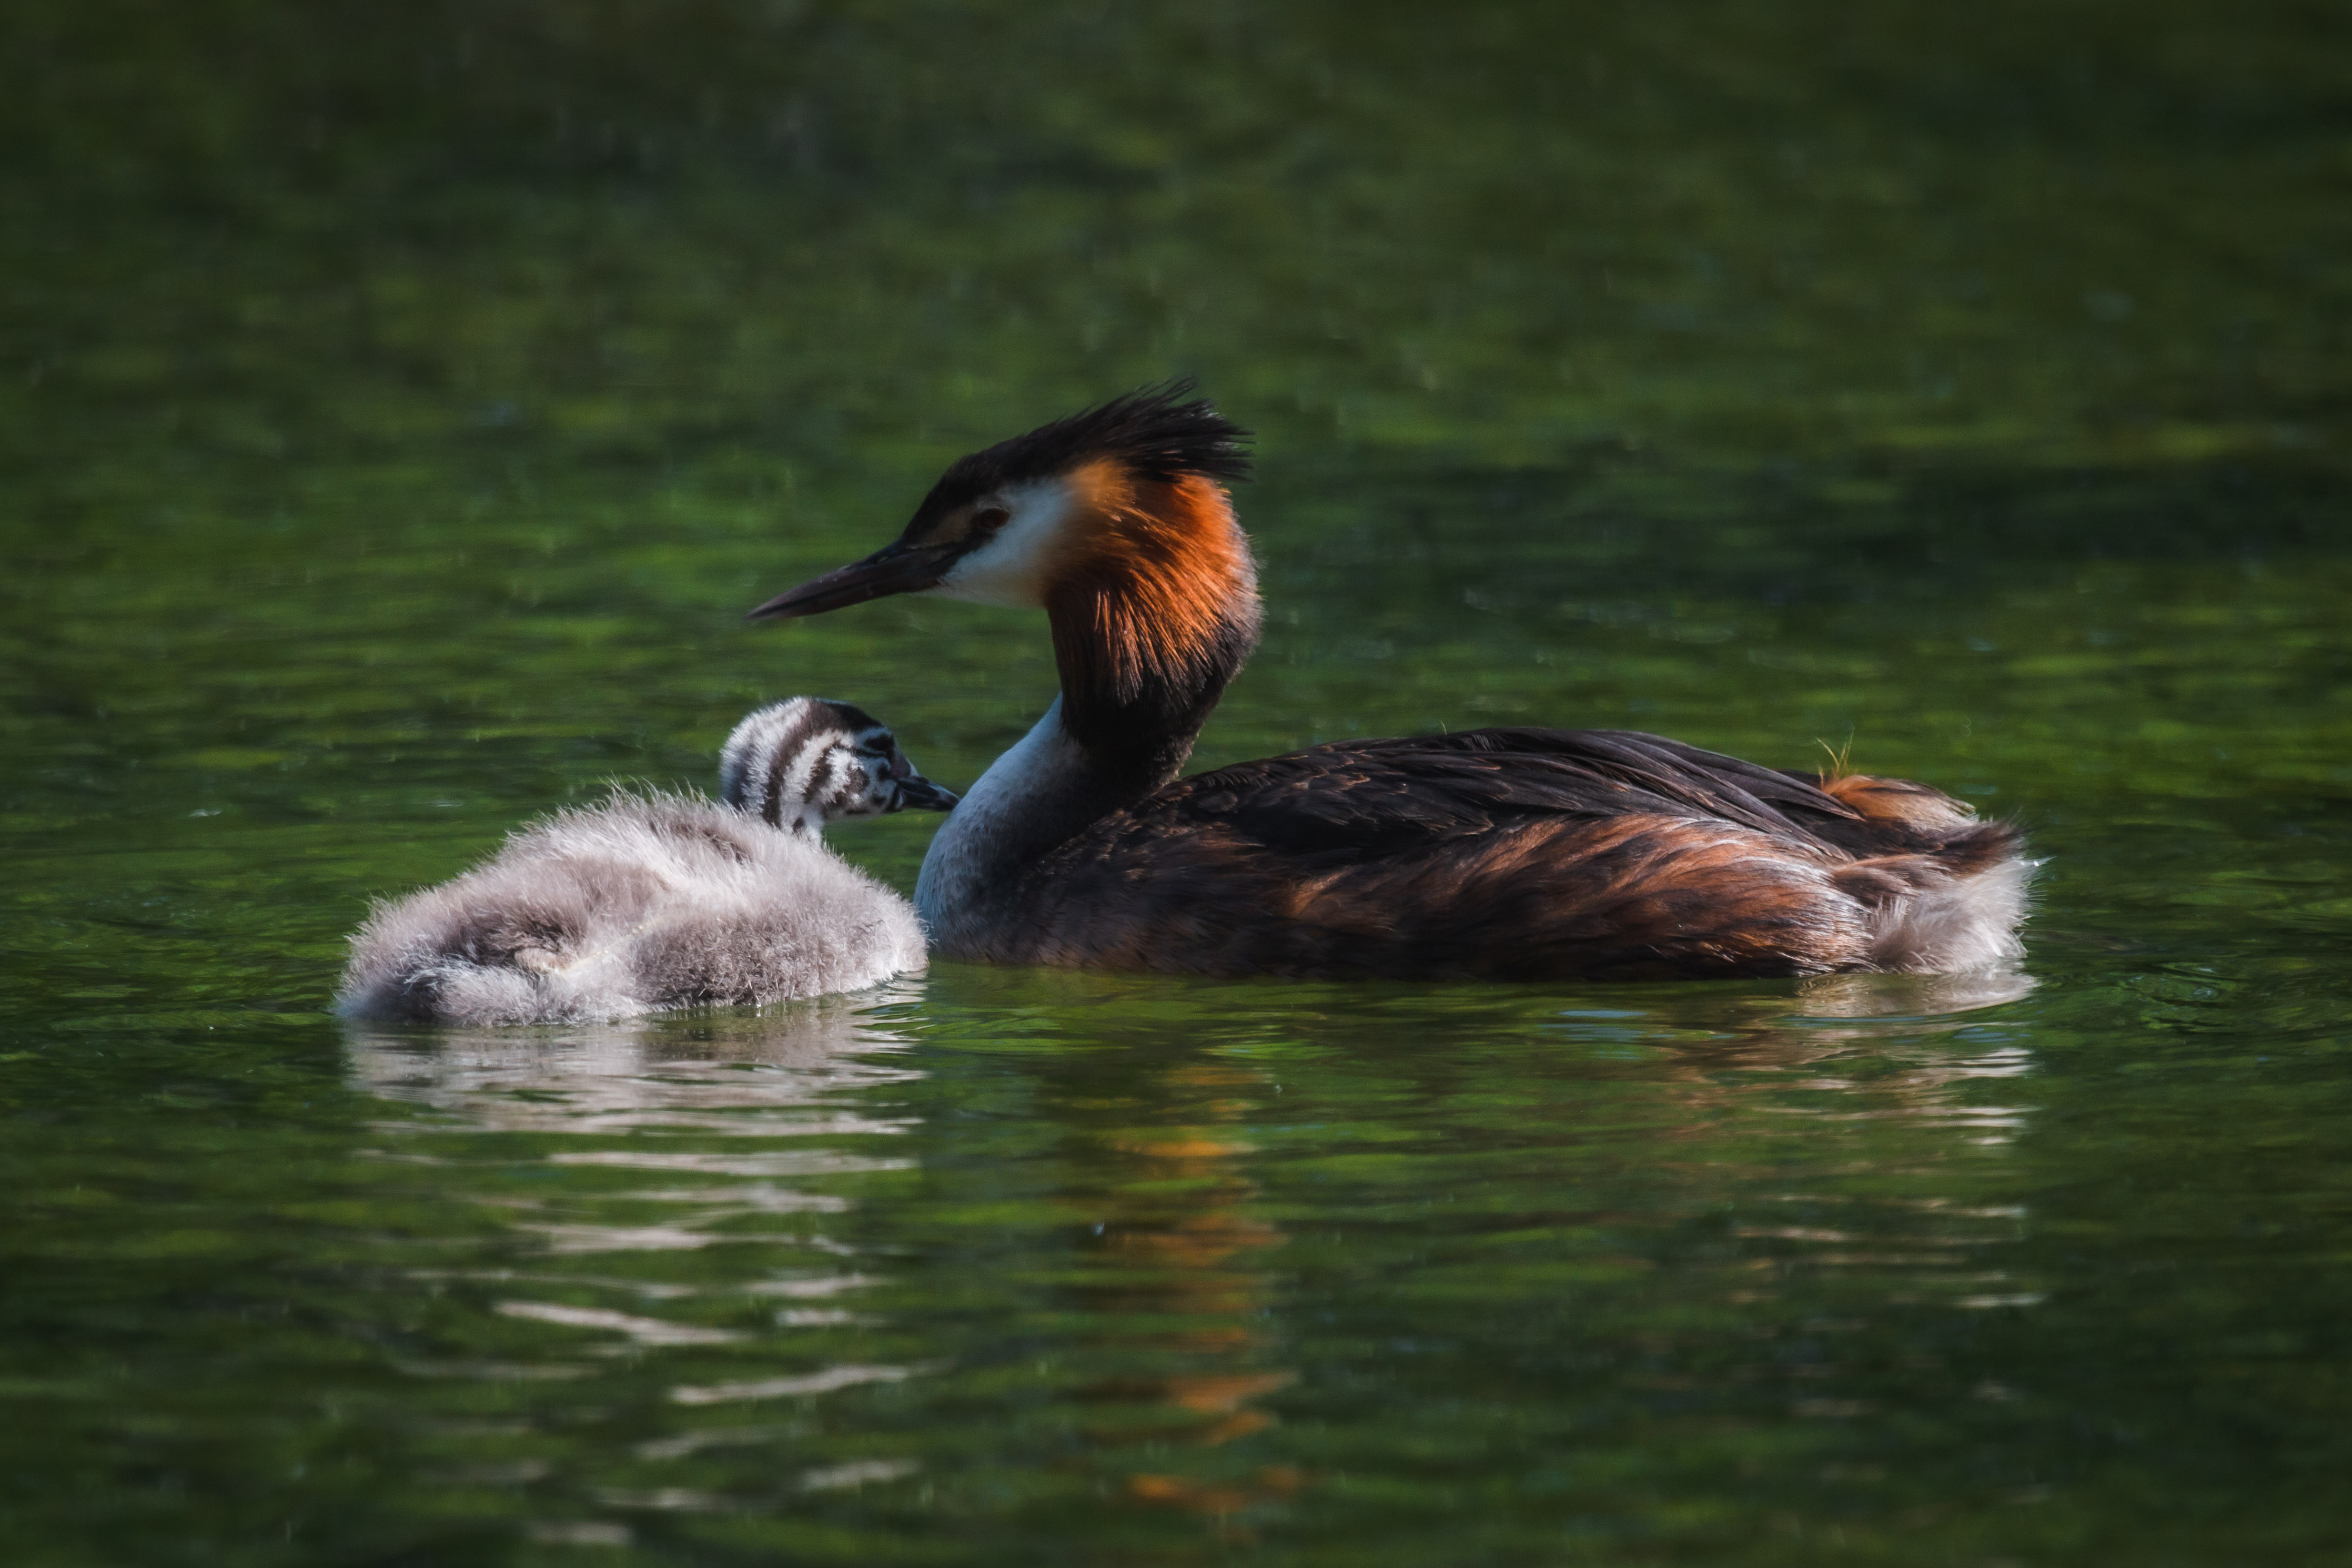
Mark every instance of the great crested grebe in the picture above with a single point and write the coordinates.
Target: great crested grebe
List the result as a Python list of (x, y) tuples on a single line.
[(649, 902), (1503, 853)]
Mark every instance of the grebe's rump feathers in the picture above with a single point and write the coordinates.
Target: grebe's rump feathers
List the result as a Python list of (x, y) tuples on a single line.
[(643, 903)]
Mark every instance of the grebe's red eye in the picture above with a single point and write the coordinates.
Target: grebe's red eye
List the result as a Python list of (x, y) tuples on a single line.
[(988, 519)]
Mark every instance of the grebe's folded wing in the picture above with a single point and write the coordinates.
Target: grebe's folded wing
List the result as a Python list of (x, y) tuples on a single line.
[(1362, 798)]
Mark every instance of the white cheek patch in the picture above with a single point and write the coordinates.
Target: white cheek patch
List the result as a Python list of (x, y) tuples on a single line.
[(1010, 569)]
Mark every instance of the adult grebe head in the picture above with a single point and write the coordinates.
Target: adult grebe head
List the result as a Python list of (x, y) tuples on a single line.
[(1137, 481), (1115, 522), (806, 762)]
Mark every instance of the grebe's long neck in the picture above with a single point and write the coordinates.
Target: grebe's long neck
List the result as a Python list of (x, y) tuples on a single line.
[(1031, 799), (1155, 612)]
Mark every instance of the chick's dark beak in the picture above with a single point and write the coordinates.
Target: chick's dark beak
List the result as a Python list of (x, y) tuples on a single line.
[(896, 567), (920, 794)]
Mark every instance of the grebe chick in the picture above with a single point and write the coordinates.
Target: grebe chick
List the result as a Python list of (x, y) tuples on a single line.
[(656, 901), (1516, 853)]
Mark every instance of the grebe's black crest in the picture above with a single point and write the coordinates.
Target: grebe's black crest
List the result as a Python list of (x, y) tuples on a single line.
[(1158, 432)]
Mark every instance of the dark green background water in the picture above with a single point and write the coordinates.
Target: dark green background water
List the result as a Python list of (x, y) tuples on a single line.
[(400, 403)]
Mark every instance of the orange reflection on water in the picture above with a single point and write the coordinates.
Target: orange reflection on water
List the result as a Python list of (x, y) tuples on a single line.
[(1178, 1223)]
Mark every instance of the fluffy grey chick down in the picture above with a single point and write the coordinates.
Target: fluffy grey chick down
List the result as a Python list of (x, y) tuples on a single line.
[(655, 901)]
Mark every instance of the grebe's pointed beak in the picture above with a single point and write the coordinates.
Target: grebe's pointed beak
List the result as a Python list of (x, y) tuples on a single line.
[(919, 793), (896, 567)]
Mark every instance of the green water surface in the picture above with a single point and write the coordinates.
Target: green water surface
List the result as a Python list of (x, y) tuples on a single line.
[(399, 405)]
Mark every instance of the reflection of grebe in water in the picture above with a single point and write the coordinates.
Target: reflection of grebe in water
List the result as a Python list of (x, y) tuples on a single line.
[(1178, 1288), (657, 901), (644, 1076), (1181, 1250), (1887, 1092), (627, 1193)]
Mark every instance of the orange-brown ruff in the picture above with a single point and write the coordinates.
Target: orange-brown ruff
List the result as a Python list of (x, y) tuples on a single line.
[(1518, 853)]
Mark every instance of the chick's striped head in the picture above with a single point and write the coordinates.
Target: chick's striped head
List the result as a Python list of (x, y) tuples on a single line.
[(803, 762)]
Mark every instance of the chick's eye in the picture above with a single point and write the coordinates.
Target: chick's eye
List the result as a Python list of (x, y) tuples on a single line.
[(988, 519)]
